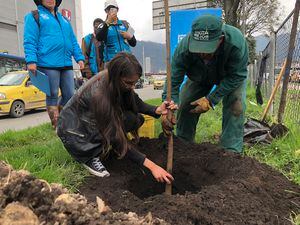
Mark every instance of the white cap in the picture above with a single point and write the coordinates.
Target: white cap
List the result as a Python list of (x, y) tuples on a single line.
[(110, 2)]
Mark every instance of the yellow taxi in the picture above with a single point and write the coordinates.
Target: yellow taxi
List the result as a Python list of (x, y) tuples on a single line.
[(17, 94), (159, 83)]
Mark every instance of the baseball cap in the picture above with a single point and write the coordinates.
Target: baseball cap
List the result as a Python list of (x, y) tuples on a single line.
[(206, 34), (110, 3)]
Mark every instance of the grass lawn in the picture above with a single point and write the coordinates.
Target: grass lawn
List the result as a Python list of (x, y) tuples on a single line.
[(41, 152)]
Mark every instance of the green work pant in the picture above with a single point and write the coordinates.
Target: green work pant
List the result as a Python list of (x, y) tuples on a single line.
[(233, 117)]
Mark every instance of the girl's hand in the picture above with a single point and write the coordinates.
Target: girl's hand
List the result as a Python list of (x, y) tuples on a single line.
[(158, 173), (161, 175), (165, 106)]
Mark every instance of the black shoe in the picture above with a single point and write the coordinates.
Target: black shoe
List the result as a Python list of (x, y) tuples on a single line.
[(96, 168)]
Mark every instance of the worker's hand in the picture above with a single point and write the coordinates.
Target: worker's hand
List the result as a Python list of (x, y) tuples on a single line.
[(202, 105), (81, 65), (168, 124), (32, 68), (158, 173)]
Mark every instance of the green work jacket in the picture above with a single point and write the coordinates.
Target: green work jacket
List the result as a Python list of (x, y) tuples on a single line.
[(228, 69)]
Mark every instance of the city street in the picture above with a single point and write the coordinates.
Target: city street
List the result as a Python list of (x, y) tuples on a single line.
[(37, 117)]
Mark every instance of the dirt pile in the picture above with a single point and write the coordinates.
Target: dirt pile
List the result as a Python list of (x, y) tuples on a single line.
[(212, 187), (27, 200)]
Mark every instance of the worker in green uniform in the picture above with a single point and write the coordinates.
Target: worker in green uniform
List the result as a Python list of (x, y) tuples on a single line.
[(212, 55)]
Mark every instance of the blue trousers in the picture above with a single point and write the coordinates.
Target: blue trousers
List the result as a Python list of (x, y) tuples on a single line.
[(63, 79)]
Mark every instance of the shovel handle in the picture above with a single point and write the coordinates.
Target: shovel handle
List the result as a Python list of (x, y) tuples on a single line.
[(274, 91)]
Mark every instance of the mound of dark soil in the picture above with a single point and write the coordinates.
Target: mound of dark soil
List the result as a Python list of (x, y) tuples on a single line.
[(30, 201), (211, 187)]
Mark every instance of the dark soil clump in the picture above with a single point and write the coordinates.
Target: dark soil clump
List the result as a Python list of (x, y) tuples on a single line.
[(27, 200), (211, 187)]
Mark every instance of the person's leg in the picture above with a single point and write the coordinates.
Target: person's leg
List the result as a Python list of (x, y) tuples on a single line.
[(67, 86), (95, 167), (234, 107), (186, 121), (54, 80), (132, 121), (52, 100), (85, 152)]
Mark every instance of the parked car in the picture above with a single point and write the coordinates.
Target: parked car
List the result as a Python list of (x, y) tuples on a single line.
[(139, 84), (159, 83), (17, 94)]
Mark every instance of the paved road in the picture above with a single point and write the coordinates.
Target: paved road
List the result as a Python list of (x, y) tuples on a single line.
[(37, 117)]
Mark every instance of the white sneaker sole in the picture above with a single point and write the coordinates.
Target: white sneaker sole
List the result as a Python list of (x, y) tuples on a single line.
[(98, 174)]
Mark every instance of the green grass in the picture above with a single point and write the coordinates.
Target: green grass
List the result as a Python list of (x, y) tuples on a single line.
[(281, 154), (39, 151)]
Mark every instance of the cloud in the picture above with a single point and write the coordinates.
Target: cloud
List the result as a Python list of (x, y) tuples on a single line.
[(139, 14)]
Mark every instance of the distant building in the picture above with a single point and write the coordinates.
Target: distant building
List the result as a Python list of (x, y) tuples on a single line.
[(12, 14), (148, 65)]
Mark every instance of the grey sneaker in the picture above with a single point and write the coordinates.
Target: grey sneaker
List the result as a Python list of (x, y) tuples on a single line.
[(96, 168)]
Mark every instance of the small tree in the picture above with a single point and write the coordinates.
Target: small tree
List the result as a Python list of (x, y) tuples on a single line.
[(259, 16)]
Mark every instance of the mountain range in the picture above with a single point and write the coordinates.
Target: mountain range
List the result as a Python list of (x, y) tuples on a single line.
[(157, 51)]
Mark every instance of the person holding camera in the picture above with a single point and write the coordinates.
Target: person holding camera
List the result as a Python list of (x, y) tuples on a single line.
[(117, 34)]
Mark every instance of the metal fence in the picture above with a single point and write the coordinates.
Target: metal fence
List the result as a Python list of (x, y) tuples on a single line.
[(267, 71)]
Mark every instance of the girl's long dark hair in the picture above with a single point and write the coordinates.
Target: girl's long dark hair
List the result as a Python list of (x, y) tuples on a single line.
[(108, 103)]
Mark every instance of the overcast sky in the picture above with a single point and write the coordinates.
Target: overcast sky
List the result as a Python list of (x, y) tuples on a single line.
[(139, 14)]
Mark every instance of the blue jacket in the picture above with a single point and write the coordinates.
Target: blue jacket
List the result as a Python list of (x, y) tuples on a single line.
[(115, 42), (53, 43), (92, 57)]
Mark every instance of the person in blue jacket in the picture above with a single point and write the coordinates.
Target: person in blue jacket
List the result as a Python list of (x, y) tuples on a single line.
[(93, 52), (49, 44), (117, 34)]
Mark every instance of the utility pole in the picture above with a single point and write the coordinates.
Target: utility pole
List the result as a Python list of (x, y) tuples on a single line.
[(144, 67)]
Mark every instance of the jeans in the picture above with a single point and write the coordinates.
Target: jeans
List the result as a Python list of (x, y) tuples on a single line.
[(63, 79)]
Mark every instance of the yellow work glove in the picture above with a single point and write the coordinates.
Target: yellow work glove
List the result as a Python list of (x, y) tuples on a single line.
[(202, 105), (168, 124)]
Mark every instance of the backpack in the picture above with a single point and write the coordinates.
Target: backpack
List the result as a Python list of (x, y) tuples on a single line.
[(89, 48), (36, 17)]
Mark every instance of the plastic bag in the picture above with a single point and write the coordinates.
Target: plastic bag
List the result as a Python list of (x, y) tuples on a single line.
[(256, 131)]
